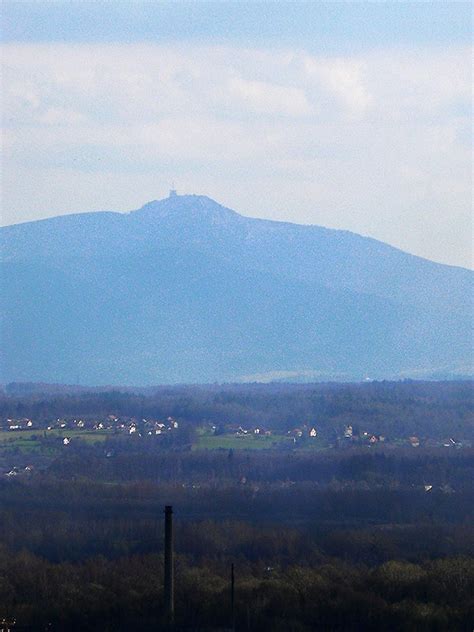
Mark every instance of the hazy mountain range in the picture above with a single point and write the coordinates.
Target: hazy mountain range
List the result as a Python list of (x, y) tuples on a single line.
[(185, 290)]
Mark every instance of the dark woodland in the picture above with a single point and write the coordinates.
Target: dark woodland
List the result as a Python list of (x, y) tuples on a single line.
[(338, 534)]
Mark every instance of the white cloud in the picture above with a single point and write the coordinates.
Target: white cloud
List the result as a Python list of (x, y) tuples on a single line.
[(61, 116), (372, 143), (267, 98), (345, 78)]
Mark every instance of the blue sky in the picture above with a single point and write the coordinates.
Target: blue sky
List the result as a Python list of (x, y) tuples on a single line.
[(349, 115), (334, 26)]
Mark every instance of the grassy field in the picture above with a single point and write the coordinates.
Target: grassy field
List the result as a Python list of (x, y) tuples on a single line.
[(26, 438), (247, 442), (16, 435)]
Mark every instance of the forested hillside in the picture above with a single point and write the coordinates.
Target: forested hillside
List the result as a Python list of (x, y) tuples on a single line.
[(185, 290)]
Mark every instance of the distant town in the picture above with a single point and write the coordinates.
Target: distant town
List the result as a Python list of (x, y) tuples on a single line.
[(26, 428), (37, 439)]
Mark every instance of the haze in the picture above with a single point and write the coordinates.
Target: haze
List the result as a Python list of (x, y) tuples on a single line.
[(353, 116)]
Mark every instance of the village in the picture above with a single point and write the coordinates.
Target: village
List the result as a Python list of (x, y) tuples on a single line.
[(208, 435), (29, 448)]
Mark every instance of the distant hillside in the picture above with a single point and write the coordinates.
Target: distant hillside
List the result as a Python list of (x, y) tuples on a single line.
[(185, 290)]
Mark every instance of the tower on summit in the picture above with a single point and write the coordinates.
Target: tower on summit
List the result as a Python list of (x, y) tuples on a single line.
[(173, 192)]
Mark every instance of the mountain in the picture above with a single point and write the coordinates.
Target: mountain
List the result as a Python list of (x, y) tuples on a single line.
[(185, 290)]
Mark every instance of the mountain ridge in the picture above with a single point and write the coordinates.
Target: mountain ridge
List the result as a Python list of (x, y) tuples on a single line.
[(154, 205), (250, 296)]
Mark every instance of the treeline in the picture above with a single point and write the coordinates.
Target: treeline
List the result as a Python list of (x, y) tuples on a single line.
[(121, 459), (83, 555), (395, 409), (73, 520), (283, 582), (365, 539), (355, 543)]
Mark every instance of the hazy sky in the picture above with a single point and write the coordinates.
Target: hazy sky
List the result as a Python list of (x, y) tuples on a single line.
[(348, 115)]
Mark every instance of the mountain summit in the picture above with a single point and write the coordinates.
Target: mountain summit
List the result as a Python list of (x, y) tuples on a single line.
[(197, 206), (185, 290)]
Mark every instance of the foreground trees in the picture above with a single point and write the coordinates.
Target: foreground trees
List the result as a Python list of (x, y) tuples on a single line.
[(359, 539), (127, 593), (82, 554)]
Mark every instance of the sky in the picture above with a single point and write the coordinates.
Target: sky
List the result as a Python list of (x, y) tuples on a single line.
[(350, 115)]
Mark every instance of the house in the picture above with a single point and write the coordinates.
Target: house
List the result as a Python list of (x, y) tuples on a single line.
[(348, 431), (66, 440), (313, 432), (414, 442)]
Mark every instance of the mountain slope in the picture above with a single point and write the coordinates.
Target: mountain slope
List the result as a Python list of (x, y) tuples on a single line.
[(186, 290)]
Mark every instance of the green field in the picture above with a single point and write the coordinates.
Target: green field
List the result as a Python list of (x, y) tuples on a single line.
[(17, 435), (31, 439), (25, 438), (246, 442)]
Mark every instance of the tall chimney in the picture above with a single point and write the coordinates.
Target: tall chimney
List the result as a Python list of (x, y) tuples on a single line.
[(169, 565), (232, 598)]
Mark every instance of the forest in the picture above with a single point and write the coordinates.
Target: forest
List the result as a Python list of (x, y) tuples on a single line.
[(395, 409), (338, 538)]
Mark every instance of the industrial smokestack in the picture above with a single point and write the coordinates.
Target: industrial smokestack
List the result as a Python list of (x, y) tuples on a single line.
[(232, 598), (169, 565)]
